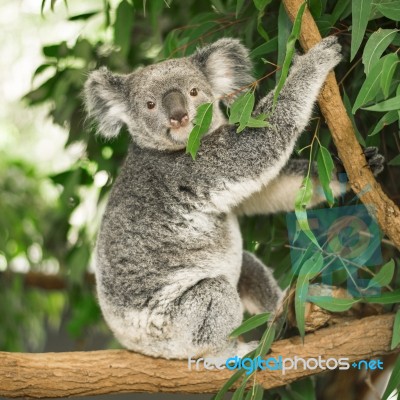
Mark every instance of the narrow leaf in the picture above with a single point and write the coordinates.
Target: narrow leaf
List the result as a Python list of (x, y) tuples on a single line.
[(388, 70), (239, 6), (333, 304), (390, 10), (387, 119), (396, 331), (266, 341), (261, 4), (376, 45), (395, 161), (387, 105), (385, 298), (370, 87), (202, 124), (228, 384), (325, 168), (309, 269), (250, 324), (256, 393), (394, 380), (290, 50), (384, 276), (361, 10)]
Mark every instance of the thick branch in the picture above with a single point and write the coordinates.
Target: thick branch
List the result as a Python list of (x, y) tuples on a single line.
[(350, 152), (117, 371)]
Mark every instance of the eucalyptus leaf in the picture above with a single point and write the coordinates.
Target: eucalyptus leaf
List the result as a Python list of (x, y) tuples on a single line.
[(387, 105), (375, 46), (384, 276), (332, 303), (290, 50), (387, 119), (370, 87), (202, 123), (394, 380), (309, 270), (361, 10), (395, 161), (385, 298), (250, 324), (388, 69), (396, 331), (390, 10), (325, 169)]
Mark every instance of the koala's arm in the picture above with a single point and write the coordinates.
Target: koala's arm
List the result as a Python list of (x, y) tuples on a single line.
[(280, 194), (230, 166)]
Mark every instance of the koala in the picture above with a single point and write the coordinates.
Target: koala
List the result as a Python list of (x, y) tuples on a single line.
[(172, 277)]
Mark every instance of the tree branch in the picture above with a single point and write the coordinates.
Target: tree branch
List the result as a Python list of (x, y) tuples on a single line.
[(330, 102), (118, 371)]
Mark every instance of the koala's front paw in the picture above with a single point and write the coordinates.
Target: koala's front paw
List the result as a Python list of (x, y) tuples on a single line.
[(326, 54), (375, 160)]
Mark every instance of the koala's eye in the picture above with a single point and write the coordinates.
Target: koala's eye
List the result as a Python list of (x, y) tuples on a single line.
[(150, 105), (194, 92)]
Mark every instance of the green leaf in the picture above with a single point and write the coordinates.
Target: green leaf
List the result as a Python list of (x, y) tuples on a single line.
[(265, 48), (332, 303), (202, 124), (325, 168), (284, 29), (308, 271), (370, 87), (376, 45), (250, 324), (260, 28), (303, 389), (290, 50), (123, 25), (266, 341), (228, 384), (347, 105), (395, 161), (239, 6), (340, 8), (388, 70), (387, 119), (303, 198), (361, 10), (257, 123), (241, 109), (387, 105), (384, 276), (239, 392), (385, 298), (261, 4), (390, 10), (396, 331), (315, 8), (394, 380), (256, 393)]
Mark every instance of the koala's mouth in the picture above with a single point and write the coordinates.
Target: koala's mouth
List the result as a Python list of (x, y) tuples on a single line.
[(179, 135)]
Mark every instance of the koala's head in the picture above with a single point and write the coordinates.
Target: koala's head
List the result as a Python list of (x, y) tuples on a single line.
[(158, 103)]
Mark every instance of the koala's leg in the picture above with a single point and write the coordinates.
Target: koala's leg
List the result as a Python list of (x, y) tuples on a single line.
[(280, 194), (206, 314), (257, 287)]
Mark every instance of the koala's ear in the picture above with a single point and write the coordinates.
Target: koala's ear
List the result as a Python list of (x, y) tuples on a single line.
[(106, 100), (226, 64)]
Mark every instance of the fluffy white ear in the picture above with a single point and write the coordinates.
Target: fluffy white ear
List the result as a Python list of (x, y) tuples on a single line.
[(106, 100), (227, 65)]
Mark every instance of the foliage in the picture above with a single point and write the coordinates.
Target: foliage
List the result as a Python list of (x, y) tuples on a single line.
[(129, 33)]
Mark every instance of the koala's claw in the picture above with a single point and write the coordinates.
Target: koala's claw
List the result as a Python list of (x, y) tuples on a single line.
[(375, 160)]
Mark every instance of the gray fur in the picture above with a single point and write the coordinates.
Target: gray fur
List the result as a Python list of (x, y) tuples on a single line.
[(169, 252)]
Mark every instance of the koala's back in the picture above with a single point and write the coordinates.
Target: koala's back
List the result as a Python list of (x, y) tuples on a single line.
[(157, 234)]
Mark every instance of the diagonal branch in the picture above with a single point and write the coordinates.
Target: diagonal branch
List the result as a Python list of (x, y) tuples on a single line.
[(330, 102), (58, 375)]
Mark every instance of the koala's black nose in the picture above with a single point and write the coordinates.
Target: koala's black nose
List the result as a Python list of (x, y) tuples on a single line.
[(175, 106)]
